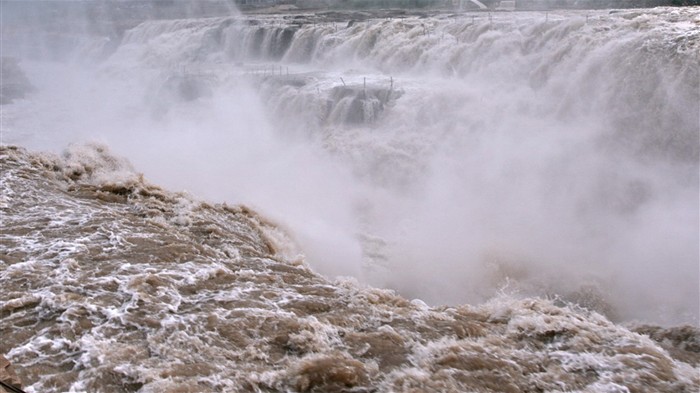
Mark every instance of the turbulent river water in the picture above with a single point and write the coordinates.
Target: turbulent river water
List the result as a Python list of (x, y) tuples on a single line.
[(542, 167)]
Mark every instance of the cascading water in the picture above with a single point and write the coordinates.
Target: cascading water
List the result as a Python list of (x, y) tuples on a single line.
[(553, 154), (516, 148), (453, 158)]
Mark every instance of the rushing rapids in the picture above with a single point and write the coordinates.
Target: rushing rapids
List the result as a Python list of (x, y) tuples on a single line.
[(111, 284), (541, 167)]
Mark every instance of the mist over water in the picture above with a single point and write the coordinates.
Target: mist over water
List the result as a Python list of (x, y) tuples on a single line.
[(448, 157)]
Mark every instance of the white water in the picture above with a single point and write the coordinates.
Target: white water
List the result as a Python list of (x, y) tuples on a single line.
[(553, 156)]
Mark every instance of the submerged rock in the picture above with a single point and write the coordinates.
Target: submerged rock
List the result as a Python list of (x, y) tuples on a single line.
[(7, 374)]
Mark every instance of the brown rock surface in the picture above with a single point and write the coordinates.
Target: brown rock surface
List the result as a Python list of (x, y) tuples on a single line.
[(7, 373)]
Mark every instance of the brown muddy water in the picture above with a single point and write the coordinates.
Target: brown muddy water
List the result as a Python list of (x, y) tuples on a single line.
[(120, 286)]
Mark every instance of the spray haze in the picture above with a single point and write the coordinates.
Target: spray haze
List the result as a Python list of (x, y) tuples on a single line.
[(446, 157)]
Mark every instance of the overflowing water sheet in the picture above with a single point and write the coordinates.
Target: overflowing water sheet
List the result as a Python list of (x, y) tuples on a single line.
[(541, 167)]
